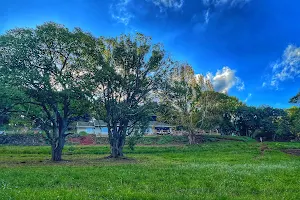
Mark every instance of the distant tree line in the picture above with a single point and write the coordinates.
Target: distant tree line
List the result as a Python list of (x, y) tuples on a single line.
[(191, 103), (51, 77)]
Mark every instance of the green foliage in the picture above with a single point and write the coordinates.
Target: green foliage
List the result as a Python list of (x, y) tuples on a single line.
[(184, 99), (71, 149), (9, 106), (50, 66), (132, 140), (83, 133), (230, 116), (295, 99), (294, 120), (283, 128), (220, 111), (257, 122), (51, 76), (132, 69)]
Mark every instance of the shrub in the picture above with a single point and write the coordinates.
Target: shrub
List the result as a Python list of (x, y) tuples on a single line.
[(132, 141), (83, 133)]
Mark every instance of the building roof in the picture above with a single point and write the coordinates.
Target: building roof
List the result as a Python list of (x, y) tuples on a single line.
[(159, 124), (91, 124), (99, 123)]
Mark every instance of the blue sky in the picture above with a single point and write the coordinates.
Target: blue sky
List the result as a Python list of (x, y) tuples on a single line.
[(248, 48)]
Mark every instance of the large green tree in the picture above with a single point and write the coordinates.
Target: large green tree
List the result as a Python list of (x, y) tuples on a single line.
[(222, 112), (258, 121), (186, 101), (294, 117), (129, 74), (50, 65)]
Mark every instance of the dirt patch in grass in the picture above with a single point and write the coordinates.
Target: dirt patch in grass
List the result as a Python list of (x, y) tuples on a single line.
[(262, 149), (295, 152), (118, 160)]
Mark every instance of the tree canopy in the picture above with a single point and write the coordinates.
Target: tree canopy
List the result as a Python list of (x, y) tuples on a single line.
[(185, 99), (50, 66), (130, 74)]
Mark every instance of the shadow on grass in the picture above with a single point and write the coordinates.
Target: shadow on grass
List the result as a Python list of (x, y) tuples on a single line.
[(75, 160)]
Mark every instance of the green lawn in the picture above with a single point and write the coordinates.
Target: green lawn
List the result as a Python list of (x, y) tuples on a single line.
[(219, 170)]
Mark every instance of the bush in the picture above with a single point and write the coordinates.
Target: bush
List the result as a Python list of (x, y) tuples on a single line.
[(132, 141), (83, 133), (165, 139)]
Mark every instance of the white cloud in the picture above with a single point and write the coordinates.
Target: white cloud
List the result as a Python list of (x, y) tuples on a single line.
[(240, 85), (231, 3), (168, 4), (120, 13), (225, 79), (248, 97), (206, 16), (120, 9), (288, 67)]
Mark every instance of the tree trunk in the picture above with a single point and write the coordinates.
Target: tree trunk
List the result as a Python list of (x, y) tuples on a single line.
[(117, 134), (192, 138), (117, 141), (58, 143), (57, 149), (116, 147), (56, 153)]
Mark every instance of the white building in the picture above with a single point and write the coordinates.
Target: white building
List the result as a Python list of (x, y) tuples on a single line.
[(99, 128)]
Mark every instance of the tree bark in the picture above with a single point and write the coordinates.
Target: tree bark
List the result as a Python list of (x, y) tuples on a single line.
[(58, 142), (57, 149), (56, 153), (116, 147), (117, 141), (192, 138)]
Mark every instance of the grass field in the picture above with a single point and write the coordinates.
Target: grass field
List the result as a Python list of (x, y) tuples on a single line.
[(218, 170)]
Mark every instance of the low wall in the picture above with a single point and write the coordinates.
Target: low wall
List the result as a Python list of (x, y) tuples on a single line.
[(23, 139), (146, 140), (38, 139)]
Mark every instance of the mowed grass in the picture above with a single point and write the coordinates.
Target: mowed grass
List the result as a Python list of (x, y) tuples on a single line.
[(220, 170)]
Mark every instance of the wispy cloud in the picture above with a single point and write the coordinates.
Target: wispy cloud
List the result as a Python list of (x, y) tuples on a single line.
[(225, 79), (288, 67), (120, 11), (213, 6), (206, 16), (168, 4), (248, 97), (231, 3)]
